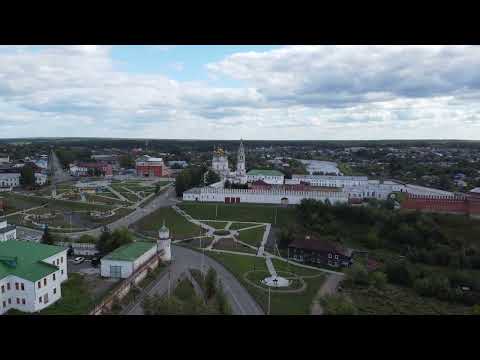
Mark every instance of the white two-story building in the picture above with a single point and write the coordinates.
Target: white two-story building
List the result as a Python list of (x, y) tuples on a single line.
[(31, 275), (12, 179), (272, 177)]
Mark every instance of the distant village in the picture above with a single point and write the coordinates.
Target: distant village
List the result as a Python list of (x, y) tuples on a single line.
[(113, 184)]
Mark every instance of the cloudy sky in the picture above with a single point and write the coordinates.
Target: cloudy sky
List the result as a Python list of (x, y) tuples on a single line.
[(228, 92)]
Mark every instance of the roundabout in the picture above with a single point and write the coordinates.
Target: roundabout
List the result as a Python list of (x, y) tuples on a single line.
[(291, 282)]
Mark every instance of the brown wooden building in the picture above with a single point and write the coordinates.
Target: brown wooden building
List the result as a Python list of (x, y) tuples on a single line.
[(317, 251)]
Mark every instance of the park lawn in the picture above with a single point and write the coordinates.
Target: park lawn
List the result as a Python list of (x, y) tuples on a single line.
[(105, 200), (252, 236), (107, 192), (184, 290), (281, 303), (240, 212), (238, 226), (17, 202), (161, 183), (398, 300), (291, 267), (179, 227), (76, 298), (195, 243), (217, 225), (230, 245), (137, 187), (15, 219), (75, 206), (130, 196), (119, 213)]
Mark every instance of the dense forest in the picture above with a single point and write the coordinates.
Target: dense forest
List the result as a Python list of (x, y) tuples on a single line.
[(434, 254), (168, 145)]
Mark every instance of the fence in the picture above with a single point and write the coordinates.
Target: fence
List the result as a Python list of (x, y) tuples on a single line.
[(80, 248), (124, 287)]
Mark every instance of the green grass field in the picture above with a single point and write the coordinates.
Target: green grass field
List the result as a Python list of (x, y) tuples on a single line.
[(195, 243), (281, 303), (238, 226), (179, 227), (240, 212), (105, 200), (230, 245), (252, 236), (130, 196), (119, 213), (184, 290), (18, 202), (76, 299), (397, 300)]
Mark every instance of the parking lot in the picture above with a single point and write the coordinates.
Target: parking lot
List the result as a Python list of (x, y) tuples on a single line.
[(97, 285)]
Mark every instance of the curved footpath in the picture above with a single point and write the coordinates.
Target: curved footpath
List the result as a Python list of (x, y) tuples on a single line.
[(165, 199), (240, 300)]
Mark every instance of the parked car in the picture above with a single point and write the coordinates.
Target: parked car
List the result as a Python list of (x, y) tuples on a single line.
[(95, 261), (78, 260)]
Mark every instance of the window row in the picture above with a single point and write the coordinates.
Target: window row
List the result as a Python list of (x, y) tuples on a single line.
[(54, 278), (44, 299), (19, 301), (18, 286)]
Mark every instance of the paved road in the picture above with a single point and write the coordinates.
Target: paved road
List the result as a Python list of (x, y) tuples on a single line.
[(183, 259), (329, 287), (165, 199)]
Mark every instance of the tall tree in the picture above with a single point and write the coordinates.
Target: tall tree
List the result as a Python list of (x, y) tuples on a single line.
[(210, 283), (27, 176), (211, 177), (47, 237)]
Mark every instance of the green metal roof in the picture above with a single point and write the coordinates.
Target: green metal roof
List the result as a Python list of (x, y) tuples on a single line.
[(131, 251), (25, 259), (265, 172)]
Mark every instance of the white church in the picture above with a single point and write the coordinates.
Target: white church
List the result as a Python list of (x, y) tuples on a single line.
[(221, 167)]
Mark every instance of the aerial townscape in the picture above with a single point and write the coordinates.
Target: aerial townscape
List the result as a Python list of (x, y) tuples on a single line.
[(189, 207)]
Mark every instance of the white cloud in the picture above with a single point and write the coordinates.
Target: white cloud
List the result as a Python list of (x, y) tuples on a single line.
[(295, 92)]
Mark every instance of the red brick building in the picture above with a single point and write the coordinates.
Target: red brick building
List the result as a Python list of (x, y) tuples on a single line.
[(151, 167), (468, 204)]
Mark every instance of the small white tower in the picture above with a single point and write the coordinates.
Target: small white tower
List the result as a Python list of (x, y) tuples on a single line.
[(163, 243)]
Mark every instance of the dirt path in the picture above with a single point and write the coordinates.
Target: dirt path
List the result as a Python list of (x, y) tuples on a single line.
[(329, 287)]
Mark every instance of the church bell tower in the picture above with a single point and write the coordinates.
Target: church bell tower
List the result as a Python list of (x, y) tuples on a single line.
[(241, 171)]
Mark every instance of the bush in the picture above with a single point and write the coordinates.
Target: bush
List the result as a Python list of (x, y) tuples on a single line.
[(372, 240), (337, 305), (399, 273), (87, 239), (434, 286), (210, 283), (358, 274), (378, 279), (221, 300)]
